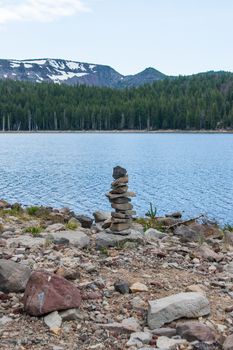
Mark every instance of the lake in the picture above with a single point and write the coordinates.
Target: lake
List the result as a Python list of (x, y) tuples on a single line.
[(192, 173)]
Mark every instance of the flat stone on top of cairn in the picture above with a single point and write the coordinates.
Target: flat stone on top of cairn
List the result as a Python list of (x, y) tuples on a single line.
[(119, 197)]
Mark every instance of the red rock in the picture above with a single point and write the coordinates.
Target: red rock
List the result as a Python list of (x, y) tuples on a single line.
[(92, 295), (46, 292)]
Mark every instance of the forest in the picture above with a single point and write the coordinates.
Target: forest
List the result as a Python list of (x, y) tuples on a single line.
[(201, 101)]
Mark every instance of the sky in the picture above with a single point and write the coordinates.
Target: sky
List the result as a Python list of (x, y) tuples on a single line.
[(173, 36)]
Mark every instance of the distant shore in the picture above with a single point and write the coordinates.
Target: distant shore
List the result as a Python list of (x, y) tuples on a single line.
[(169, 131)]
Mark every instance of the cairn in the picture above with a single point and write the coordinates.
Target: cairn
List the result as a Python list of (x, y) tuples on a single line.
[(119, 197)]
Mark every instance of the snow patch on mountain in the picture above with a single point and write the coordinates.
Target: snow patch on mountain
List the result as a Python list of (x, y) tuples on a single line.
[(65, 76)]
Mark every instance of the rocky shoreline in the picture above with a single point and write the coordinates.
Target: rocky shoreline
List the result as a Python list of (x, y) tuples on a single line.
[(66, 282)]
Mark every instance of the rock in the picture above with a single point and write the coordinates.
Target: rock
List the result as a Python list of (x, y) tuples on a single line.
[(228, 236), (188, 234), (46, 292), (73, 224), (53, 321), (118, 227), (85, 221), (4, 204), (153, 235), (123, 207), (55, 228), (120, 181), (168, 309), (196, 232), (167, 332), (193, 331), (163, 221), (119, 215), (121, 200), (26, 241), (105, 240), (124, 195), (122, 287), (199, 288), (119, 189), (76, 238), (61, 241), (169, 343), (228, 268), (176, 215), (138, 287), (138, 303), (69, 274), (128, 325), (119, 172), (205, 252), (106, 224), (71, 315), (101, 216), (139, 338), (228, 343), (13, 276), (5, 320)]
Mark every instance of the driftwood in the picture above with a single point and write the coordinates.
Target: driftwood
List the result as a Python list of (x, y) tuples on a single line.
[(183, 222)]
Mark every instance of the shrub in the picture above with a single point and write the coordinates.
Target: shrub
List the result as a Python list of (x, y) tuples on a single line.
[(33, 230), (32, 210)]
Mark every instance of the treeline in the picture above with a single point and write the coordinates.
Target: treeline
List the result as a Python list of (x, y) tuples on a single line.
[(202, 101)]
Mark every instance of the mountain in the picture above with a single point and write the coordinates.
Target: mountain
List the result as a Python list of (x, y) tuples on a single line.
[(148, 76), (73, 73)]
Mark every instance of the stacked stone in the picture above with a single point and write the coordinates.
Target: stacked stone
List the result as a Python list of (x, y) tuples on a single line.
[(119, 197)]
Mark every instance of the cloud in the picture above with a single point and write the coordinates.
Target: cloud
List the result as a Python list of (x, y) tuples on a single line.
[(39, 10)]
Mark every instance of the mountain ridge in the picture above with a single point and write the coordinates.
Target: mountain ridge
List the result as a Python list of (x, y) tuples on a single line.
[(71, 72)]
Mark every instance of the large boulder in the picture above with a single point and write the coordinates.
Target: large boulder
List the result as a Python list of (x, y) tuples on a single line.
[(13, 276), (189, 233), (76, 238), (26, 241), (168, 309), (46, 292), (195, 232), (106, 240)]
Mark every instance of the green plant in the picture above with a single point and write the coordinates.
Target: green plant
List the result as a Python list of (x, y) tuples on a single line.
[(152, 212), (71, 226), (16, 207), (33, 230), (32, 210), (104, 250)]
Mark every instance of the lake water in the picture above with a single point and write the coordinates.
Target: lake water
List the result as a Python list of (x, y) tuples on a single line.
[(192, 173)]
